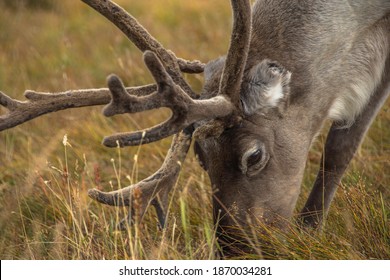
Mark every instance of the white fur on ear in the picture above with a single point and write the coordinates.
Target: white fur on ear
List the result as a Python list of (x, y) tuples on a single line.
[(265, 86)]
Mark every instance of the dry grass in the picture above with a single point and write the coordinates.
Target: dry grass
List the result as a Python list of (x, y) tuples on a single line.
[(44, 209)]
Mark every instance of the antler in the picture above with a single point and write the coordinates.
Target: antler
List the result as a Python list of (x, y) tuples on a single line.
[(40, 103), (172, 94), (233, 70)]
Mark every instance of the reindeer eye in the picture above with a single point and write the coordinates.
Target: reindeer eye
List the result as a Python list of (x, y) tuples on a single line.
[(254, 158)]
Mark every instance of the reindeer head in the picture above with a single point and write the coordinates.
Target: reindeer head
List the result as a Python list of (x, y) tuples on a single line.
[(252, 164)]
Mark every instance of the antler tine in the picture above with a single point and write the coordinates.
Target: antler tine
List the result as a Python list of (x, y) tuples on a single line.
[(185, 110), (154, 189), (238, 51), (40, 103), (144, 41)]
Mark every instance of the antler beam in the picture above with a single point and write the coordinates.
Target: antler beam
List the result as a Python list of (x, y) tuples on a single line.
[(238, 51), (40, 103), (154, 189), (144, 41)]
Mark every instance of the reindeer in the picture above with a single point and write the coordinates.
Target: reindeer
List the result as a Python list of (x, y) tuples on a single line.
[(290, 66)]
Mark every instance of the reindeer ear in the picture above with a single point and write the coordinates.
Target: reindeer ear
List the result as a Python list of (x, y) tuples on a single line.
[(213, 69), (265, 87)]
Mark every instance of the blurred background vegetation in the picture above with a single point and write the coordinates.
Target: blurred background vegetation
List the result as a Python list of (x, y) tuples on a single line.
[(29, 4), (45, 212)]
